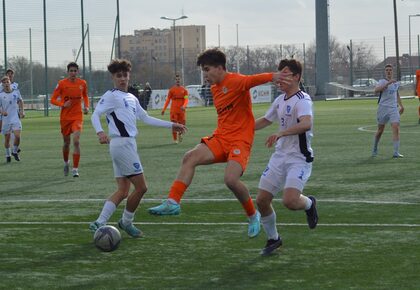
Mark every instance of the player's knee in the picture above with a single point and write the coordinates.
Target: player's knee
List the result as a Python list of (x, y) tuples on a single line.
[(76, 143), (231, 181), (290, 202), (262, 203), (189, 158)]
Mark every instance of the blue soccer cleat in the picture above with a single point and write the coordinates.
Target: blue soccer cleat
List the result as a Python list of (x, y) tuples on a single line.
[(130, 229), (95, 225), (166, 208), (254, 225)]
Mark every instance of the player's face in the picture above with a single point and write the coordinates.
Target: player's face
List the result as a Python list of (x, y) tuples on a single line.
[(177, 81), (11, 75), (388, 72), (213, 74), (73, 72), (6, 84), (121, 80), (294, 81)]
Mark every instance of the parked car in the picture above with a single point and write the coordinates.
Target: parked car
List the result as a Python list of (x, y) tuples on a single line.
[(408, 80), (364, 82)]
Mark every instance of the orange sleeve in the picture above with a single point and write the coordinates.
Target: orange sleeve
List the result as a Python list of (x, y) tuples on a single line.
[(85, 95), (54, 98), (258, 79), (185, 99), (168, 99)]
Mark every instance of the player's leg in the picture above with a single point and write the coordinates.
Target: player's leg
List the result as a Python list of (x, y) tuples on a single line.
[(200, 155), (123, 187), (395, 126), (7, 146), (133, 200), (182, 121), (66, 151), (174, 118), (233, 172), (76, 153), (377, 137), (16, 143), (269, 221)]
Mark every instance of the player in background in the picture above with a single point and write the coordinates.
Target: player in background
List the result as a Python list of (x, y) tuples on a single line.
[(418, 88), (15, 86), (388, 103), (122, 110), (178, 96), (69, 95), (231, 141), (11, 109), (290, 165)]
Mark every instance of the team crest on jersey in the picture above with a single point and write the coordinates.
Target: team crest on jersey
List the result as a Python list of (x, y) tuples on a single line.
[(225, 90), (81, 87), (125, 103), (236, 151), (136, 166), (288, 109)]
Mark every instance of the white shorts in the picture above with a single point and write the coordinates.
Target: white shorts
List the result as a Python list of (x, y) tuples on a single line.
[(279, 175), (7, 128), (387, 114), (125, 159)]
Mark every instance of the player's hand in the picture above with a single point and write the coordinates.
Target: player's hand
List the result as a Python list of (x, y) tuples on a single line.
[(162, 113), (282, 77), (182, 108), (67, 104), (103, 138), (272, 139), (86, 111), (21, 114), (4, 113), (179, 128), (401, 110)]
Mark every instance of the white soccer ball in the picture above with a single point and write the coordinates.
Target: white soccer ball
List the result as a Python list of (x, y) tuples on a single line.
[(107, 238)]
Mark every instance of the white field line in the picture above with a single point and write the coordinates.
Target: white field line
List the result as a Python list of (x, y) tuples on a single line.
[(212, 224), (197, 200)]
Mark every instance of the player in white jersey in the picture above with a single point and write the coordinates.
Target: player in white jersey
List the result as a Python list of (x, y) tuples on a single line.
[(14, 85), (290, 165), (122, 111), (11, 108), (388, 111)]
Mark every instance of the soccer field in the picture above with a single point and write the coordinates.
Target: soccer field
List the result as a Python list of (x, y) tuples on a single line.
[(367, 237)]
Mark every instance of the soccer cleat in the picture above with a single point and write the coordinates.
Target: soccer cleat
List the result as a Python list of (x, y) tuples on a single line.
[(179, 137), (66, 169), (397, 155), (374, 152), (93, 226), (75, 172), (130, 229), (8, 159), (254, 225), (166, 208), (312, 214), (16, 156), (18, 151), (270, 246)]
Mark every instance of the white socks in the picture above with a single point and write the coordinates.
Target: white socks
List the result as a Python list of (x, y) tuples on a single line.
[(107, 211), (269, 225), (127, 217)]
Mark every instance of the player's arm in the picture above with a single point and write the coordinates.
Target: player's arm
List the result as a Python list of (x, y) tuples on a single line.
[(85, 99), (104, 105), (184, 105), (20, 105), (55, 97), (383, 86), (261, 123), (304, 124), (400, 105), (168, 99)]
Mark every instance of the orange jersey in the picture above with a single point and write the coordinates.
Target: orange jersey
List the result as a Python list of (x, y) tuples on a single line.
[(74, 91), (179, 98), (418, 82), (231, 98)]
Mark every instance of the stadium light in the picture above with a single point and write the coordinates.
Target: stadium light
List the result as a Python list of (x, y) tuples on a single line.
[(173, 21), (409, 41)]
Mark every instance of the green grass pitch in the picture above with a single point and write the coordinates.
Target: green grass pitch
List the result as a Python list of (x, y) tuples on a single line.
[(367, 238)]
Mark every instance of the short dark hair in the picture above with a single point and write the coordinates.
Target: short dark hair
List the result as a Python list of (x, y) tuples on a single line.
[(119, 65), (212, 57), (10, 70), (294, 65), (389, 65), (72, 64)]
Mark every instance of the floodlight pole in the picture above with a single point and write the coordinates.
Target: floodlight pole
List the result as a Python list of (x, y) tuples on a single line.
[(397, 49), (4, 35), (173, 23)]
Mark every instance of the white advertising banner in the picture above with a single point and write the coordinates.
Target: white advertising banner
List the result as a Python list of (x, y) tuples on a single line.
[(261, 94)]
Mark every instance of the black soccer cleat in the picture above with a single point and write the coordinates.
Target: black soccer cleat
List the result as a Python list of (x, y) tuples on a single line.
[(16, 156), (270, 246), (8, 159), (312, 214)]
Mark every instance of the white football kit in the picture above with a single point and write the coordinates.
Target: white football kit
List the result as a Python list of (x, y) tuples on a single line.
[(291, 163), (9, 104), (13, 86), (122, 111), (388, 104)]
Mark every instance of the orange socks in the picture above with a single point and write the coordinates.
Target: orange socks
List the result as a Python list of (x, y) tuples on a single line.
[(66, 156), (76, 158), (249, 207), (177, 190), (174, 135)]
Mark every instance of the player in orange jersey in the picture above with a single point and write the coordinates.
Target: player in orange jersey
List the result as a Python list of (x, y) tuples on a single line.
[(69, 95), (232, 140), (178, 96), (418, 88)]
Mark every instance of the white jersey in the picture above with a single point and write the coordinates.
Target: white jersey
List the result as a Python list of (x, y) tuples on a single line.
[(287, 113), (388, 98), (13, 86), (9, 103), (122, 110)]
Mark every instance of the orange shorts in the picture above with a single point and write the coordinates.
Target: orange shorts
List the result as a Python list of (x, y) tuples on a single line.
[(70, 126), (225, 150), (178, 117)]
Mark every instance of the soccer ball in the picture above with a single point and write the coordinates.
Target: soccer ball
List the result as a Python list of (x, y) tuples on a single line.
[(107, 238)]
